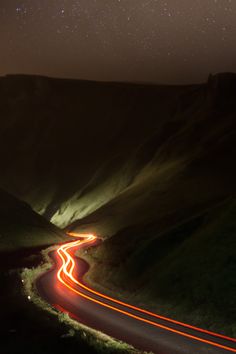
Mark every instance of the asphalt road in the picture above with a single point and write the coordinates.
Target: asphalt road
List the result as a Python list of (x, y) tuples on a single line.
[(63, 287)]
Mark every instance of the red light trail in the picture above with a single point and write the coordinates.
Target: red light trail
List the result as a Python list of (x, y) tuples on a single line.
[(65, 275)]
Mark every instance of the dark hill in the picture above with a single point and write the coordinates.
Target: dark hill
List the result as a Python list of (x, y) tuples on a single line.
[(22, 228), (66, 140)]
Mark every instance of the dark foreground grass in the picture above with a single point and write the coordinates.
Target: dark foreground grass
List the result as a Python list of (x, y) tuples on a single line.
[(26, 328)]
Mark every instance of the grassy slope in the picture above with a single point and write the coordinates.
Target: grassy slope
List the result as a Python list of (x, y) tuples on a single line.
[(187, 272), (22, 228)]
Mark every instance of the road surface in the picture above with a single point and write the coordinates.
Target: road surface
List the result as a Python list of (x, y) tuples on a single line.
[(63, 288)]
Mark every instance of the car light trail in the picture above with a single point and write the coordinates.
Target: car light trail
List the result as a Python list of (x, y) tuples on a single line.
[(66, 277)]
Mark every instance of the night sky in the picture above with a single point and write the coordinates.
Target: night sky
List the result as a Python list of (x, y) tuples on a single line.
[(172, 41)]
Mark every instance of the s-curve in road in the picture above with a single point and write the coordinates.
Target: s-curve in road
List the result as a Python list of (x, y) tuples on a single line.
[(63, 288)]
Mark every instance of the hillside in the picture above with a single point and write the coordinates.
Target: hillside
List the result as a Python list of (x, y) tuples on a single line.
[(151, 169), (21, 228), (75, 145)]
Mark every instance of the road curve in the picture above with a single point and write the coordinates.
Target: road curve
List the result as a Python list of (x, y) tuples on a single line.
[(63, 288)]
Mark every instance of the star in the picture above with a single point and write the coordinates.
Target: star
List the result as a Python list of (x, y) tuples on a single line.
[(131, 39)]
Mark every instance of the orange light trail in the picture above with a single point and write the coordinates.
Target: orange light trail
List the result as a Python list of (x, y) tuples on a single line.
[(66, 272)]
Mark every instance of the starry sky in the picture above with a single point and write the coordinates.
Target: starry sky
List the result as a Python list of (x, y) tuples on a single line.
[(162, 41)]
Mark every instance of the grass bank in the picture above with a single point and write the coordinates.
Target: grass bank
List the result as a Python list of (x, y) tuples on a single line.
[(187, 273), (95, 340)]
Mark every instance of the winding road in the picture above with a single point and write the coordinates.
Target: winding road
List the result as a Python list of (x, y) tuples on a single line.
[(63, 287)]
